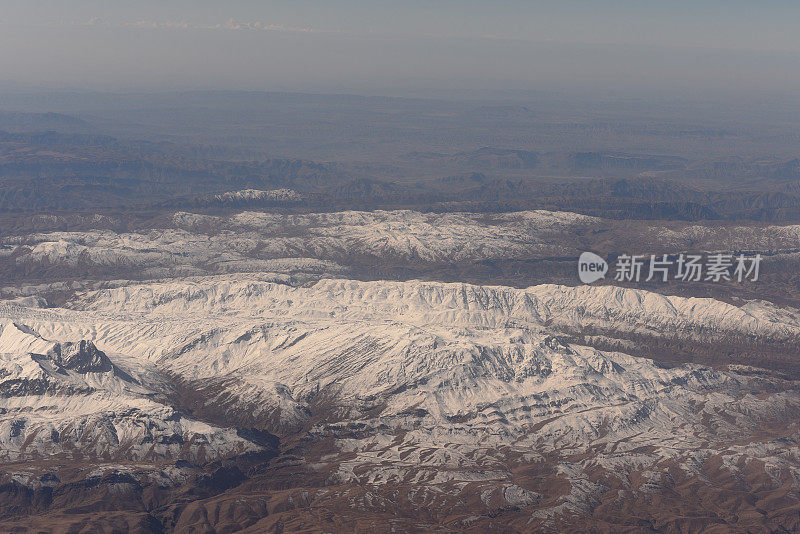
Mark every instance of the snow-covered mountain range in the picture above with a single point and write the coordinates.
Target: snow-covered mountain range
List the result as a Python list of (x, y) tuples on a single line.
[(474, 396)]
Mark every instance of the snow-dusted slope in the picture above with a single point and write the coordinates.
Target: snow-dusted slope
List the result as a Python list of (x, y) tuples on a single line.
[(197, 240), (253, 241), (445, 383)]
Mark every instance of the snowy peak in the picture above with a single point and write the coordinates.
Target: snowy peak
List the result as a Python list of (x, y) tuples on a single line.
[(33, 365), (253, 196), (79, 356), (61, 397), (82, 357)]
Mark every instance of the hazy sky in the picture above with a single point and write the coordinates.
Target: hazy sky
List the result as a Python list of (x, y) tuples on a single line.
[(392, 47)]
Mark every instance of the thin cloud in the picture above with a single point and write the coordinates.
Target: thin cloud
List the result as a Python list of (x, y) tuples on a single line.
[(94, 21), (230, 25), (160, 25)]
